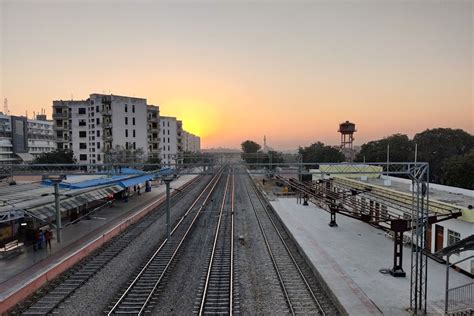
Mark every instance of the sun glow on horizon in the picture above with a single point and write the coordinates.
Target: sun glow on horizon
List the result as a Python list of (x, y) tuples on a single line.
[(199, 117)]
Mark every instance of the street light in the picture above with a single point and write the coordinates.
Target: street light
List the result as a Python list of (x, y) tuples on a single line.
[(168, 228), (167, 181)]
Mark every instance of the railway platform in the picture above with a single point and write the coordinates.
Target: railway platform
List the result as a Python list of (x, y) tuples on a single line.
[(353, 259), (31, 268)]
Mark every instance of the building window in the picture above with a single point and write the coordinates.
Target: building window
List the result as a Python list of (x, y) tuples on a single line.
[(168, 139), (98, 145), (82, 157), (82, 123), (82, 134), (98, 157), (134, 145), (97, 109), (453, 237), (133, 133), (126, 145), (168, 132), (133, 108), (82, 111), (126, 133), (98, 133), (97, 121), (168, 124), (126, 120), (82, 146), (133, 120), (126, 108)]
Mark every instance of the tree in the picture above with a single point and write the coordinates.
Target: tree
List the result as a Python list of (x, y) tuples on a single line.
[(458, 171), (401, 149), (272, 156), (318, 152), (437, 145), (250, 152), (155, 161), (120, 154), (250, 147), (58, 156)]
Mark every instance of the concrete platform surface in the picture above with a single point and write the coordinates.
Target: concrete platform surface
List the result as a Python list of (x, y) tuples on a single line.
[(350, 256), (18, 271)]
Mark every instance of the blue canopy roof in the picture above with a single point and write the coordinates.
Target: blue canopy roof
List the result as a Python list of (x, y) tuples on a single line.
[(134, 181)]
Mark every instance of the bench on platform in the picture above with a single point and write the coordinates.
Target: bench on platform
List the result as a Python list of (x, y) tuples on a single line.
[(11, 247)]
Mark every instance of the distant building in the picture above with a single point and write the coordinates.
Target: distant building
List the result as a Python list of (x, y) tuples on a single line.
[(169, 140), (23, 139), (41, 137), (91, 127), (192, 143)]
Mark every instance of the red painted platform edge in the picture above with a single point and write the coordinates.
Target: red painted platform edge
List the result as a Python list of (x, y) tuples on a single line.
[(75, 257)]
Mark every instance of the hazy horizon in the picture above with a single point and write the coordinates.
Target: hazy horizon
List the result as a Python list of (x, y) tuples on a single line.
[(240, 70)]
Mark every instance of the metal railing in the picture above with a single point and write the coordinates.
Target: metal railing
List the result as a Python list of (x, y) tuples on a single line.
[(461, 298)]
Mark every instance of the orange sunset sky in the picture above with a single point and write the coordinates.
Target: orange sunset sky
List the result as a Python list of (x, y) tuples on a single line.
[(235, 70)]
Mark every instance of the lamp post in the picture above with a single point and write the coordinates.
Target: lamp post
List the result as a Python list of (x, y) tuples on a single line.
[(168, 228)]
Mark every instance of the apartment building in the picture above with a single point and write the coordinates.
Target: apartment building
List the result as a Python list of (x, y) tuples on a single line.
[(41, 137), (192, 143), (169, 150), (93, 126), (22, 139)]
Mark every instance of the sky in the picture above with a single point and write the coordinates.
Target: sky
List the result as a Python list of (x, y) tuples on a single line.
[(237, 70)]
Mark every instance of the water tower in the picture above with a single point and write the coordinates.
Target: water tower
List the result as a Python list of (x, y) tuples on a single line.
[(347, 130)]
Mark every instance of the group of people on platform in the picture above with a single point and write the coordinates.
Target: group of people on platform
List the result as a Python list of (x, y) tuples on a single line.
[(42, 239)]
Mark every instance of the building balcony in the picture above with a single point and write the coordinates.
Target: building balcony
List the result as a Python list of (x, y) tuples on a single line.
[(106, 112), (60, 115), (107, 138), (106, 124)]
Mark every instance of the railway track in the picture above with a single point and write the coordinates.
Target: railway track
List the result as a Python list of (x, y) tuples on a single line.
[(216, 294), (136, 297), (49, 298), (302, 293)]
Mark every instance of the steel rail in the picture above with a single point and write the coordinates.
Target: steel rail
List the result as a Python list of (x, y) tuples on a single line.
[(285, 245), (213, 182), (272, 257), (231, 286), (216, 236)]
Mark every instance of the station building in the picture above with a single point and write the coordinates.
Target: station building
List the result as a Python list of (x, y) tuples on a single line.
[(30, 206), (394, 195)]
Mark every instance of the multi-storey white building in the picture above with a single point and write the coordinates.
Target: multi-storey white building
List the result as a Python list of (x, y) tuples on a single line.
[(22, 139), (41, 138), (192, 143), (92, 127), (168, 140)]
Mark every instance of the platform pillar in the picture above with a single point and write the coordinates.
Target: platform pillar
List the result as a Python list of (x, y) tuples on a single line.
[(398, 227), (333, 223)]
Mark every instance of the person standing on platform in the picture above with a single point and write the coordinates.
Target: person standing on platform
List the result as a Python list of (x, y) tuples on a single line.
[(42, 239), (36, 237), (48, 236)]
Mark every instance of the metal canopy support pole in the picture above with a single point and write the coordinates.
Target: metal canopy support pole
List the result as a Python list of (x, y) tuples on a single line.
[(168, 227), (446, 299), (58, 212)]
